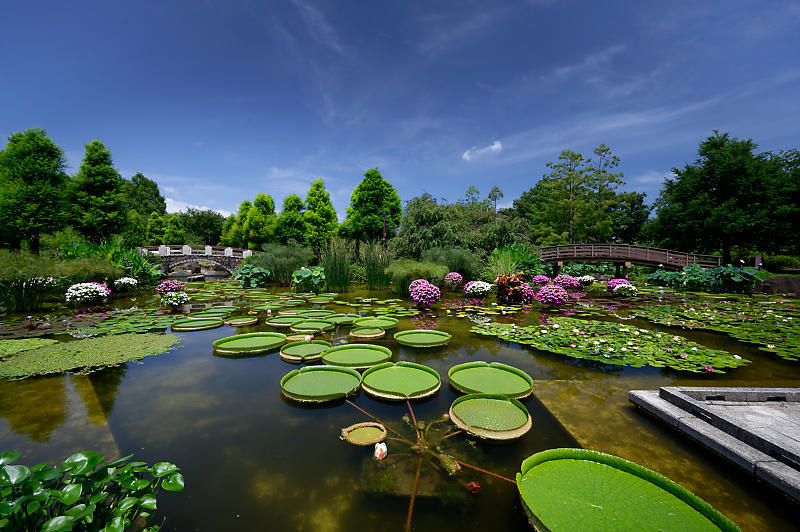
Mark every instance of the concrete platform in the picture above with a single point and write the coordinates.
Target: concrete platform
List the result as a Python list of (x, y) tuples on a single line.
[(755, 428)]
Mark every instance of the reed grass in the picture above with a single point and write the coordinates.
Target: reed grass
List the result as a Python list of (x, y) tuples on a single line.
[(335, 258), (376, 260)]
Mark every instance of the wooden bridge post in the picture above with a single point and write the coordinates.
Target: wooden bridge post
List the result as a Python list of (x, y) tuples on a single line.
[(557, 268)]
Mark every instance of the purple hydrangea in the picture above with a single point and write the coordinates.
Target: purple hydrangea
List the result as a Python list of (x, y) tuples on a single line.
[(170, 285), (567, 281), (453, 279), (424, 294), (614, 283), (528, 295), (552, 294), (540, 280), (416, 283)]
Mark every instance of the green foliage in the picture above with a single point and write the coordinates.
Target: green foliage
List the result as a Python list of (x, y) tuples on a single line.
[(373, 202), (143, 196), (84, 492), (259, 225), (319, 217), (155, 234), (10, 347), (694, 278), (203, 226), (32, 179), (97, 195), (629, 216), (309, 279), (281, 260), (510, 259), (335, 260), (358, 274), (290, 226), (113, 252), (778, 263), (252, 276), (22, 280), (456, 259), (403, 271), (376, 260), (174, 232)]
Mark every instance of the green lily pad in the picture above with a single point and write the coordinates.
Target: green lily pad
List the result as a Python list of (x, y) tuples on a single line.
[(283, 321), (376, 322), (319, 314), (320, 300), (196, 324), (357, 356), (320, 383), (241, 321), (403, 380), (343, 319), (579, 489), (494, 378), (309, 325), (268, 306), (367, 433), (304, 351), (249, 344), (367, 333), (491, 416), (422, 338)]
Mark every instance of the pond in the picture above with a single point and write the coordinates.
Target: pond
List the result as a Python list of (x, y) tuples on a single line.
[(255, 460)]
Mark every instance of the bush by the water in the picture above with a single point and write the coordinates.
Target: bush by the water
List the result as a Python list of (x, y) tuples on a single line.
[(694, 278), (779, 263), (423, 293), (252, 276), (282, 261), (335, 259), (309, 280), (403, 271), (456, 259), (376, 260)]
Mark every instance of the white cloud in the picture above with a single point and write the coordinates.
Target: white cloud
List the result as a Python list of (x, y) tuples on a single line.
[(318, 27), (169, 190), (591, 62), (174, 205), (651, 177), (494, 147)]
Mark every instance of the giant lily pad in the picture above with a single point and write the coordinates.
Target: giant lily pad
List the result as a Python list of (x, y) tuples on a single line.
[(357, 356), (309, 325), (316, 314), (320, 383), (494, 378), (320, 300), (304, 351), (241, 321), (376, 322), (422, 338), (579, 489), (196, 324), (343, 319), (268, 306), (367, 333), (283, 321), (491, 416), (367, 433), (249, 344), (403, 380)]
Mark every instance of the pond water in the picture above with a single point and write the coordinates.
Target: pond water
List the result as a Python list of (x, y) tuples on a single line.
[(254, 460)]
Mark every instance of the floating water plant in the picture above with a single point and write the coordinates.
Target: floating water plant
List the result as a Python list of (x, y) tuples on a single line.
[(322, 314), (241, 322), (320, 300), (494, 378), (366, 433), (357, 356), (196, 324), (614, 343), (318, 384), (580, 489), (10, 347), (422, 338), (283, 321), (403, 380), (268, 306), (367, 333), (491, 416), (311, 325), (343, 319), (378, 322), (249, 344), (304, 351)]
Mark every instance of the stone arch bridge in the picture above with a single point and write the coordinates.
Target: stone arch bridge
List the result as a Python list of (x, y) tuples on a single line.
[(170, 257)]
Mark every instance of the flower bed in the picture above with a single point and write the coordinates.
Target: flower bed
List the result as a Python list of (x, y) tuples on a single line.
[(540, 280), (613, 283), (84, 293), (453, 279), (625, 290), (126, 283), (567, 281), (424, 294), (477, 288), (587, 280), (170, 285), (175, 299), (552, 294)]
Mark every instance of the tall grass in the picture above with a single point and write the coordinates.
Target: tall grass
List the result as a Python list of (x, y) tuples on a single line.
[(376, 260), (335, 258), (499, 264), (403, 271), (457, 259), (281, 260)]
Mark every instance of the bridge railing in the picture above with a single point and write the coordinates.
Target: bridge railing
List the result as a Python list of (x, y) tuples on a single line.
[(195, 250), (627, 253)]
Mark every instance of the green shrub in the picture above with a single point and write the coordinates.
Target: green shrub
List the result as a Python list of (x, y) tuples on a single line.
[(778, 263), (335, 259), (456, 259), (24, 280), (403, 271), (117, 253), (309, 280), (694, 278), (357, 273), (282, 261), (376, 260), (86, 270), (252, 276)]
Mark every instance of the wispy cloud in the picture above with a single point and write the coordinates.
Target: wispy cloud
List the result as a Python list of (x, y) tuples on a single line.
[(651, 177), (450, 31), (494, 147), (174, 205), (319, 28), (591, 62)]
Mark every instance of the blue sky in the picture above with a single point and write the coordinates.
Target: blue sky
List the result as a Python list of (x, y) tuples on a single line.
[(220, 100)]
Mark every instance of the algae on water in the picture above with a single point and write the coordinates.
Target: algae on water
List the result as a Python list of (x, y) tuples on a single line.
[(10, 347), (84, 356)]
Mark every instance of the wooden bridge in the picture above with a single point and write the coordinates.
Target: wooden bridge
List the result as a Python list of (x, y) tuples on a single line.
[(625, 255), (176, 255)]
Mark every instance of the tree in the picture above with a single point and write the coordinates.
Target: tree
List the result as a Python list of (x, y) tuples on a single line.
[(290, 224), (32, 179), (203, 226), (174, 233), (259, 227), (135, 232), (319, 217), (98, 195), (374, 202), (629, 214), (424, 225), (156, 226), (598, 224), (143, 196), (728, 196), (231, 232), (494, 195)]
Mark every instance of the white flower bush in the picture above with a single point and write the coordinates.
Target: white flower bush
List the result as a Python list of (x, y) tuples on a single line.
[(477, 288), (626, 290), (126, 283), (586, 280), (175, 299), (83, 293)]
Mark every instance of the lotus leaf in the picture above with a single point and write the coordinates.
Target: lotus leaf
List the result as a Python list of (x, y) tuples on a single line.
[(494, 378)]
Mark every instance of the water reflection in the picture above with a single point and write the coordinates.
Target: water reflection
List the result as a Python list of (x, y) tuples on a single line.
[(34, 407)]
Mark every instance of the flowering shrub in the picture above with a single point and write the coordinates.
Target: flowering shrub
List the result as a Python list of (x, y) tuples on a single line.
[(552, 294), (83, 293), (586, 280), (170, 285), (415, 283), (126, 283), (627, 290), (425, 294), (540, 280), (567, 281), (453, 279), (175, 299), (528, 294), (477, 288), (613, 283)]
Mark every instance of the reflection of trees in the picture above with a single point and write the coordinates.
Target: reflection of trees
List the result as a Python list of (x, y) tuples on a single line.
[(34, 407), (99, 391)]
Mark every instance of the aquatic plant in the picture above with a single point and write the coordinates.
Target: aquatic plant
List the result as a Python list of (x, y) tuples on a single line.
[(540, 280), (309, 279), (375, 260), (552, 294), (425, 294), (126, 283), (456, 259), (175, 299), (613, 283), (453, 279), (567, 281), (403, 271), (9, 347), (695, 278), (511, 288), (335, 259), (84, 492), (625, 290), (253, 277), (85, 293), (477, 288), (613, 343), (281, 260)]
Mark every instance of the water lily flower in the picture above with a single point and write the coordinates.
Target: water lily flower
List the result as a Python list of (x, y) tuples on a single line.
[(684, 355), (307, 337), (737, 357), (573, 346), (708, 369), (771, 346), (380, 451), (694, 349)]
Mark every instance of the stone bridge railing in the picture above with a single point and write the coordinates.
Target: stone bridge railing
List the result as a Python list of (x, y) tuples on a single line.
[(176, 255)]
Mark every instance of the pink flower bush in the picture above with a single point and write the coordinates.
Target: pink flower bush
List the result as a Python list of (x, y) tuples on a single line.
[(528, 295), (170, 285), (613, 283), (552, 295), (567, 281), (453, 279), (424, 294), (416, 283), (540, 280)]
